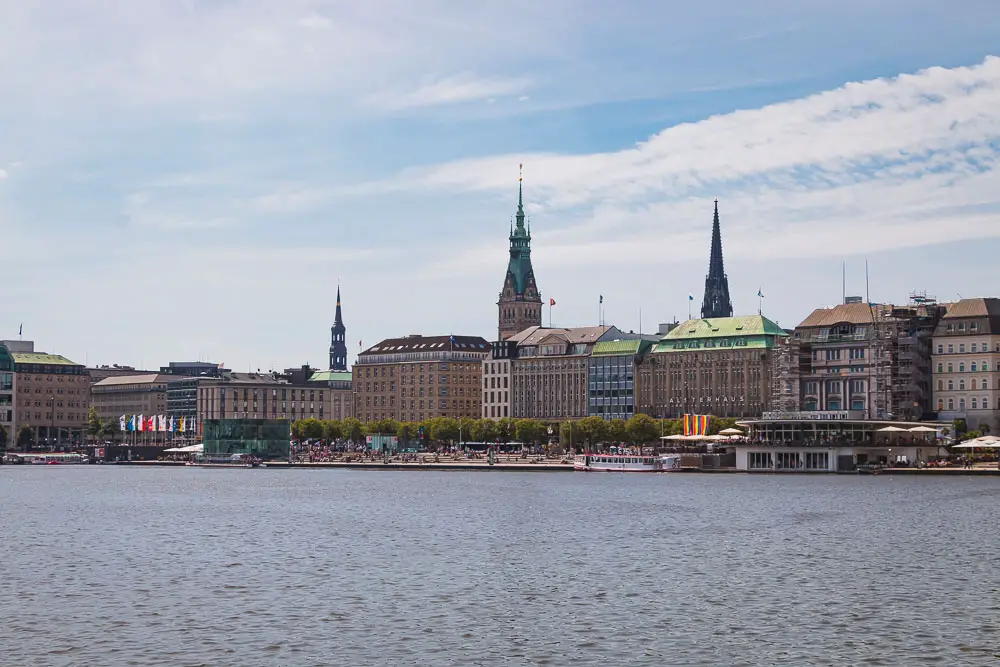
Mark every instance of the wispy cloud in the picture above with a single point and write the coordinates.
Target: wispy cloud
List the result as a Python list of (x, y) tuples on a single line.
[(451, 90)]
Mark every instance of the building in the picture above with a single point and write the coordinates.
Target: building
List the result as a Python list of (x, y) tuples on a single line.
[(268, 439), (51, 395), (262, 396), (115, 396), (966, 364), (611, 375), (496, 378), (716, 366), (520, 303), (418, 377), (716, 302), (9, 432), (194, 369), (832, 442), (549, 375), (339, 383), (873, 360), (338, 342), (98, 373)]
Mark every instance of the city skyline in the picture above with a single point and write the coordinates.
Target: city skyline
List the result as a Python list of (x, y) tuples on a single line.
[(194, 190)]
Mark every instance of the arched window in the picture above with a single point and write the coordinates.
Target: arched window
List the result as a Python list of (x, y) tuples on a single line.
[(951, 385), (951, 368), (951, 403), (940, 404), (973, 367), (961, 404), (961, 385), (940, 367), (961, 367), (975, 403), (940, 385), (986, 403), (973, 385), (985, 366)]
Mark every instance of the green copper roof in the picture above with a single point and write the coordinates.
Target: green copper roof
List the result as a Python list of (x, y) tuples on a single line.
[(519, 266), (620, 347), (754, 331), (41, 358), (331, 376)]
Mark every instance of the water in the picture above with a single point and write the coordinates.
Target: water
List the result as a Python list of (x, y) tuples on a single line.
[(116, 565)]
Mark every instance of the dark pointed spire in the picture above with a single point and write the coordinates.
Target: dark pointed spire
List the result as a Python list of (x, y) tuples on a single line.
[(338, 342), (520, 196), (716, 302)]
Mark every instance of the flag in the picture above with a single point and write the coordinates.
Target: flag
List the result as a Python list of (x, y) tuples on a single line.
[(182, 424), (151, 423), (759, 293), (221, 366), (172, 424), (121, 423), (140, 423), (20, 329), (690, 297), (163, 423), (552, 302), (600, 299), (451, 339)]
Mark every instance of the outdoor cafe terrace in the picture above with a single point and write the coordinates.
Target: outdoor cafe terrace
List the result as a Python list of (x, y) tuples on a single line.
[(804, 429)]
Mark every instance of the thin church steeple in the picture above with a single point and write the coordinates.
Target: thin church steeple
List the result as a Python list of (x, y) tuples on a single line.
[(716, 302), (338, 342)]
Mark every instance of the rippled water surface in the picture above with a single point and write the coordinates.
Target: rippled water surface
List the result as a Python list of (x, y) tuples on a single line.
[(114, 565)]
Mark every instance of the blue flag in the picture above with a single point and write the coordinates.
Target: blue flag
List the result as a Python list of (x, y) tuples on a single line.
[(760, 294), (690, 297), (601, 300)]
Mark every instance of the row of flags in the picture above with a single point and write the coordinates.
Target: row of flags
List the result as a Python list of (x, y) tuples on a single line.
[(696, 424), (156, 423)]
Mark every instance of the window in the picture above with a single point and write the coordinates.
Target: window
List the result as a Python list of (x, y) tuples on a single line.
[(759, 461), (975, 403), (973, 348), (940, 404), (986, 403), (973, 368), (951, 368), (961, 385), (951, 348), (940, 349), (951, 385), (940, 367), (961, 367), (961, 404), (951, 403), (940, 385)]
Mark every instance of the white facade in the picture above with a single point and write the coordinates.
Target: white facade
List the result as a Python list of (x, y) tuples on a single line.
[(752, 458), (496, 388), (966, 366)]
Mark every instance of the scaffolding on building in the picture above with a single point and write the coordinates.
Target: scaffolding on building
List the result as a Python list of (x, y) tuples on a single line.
[(900, 365)]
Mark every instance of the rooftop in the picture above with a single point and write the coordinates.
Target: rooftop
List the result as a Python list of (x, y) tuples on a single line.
[(978, 307), (845, 313), (119, 380), (42, 358), (620, 347), (417, 343), (331, 376), (725, 327), (535, 335)]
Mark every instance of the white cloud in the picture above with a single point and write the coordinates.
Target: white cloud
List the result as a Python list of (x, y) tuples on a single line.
[(450, 90), (3, 174), (872, 165), (315, 21)]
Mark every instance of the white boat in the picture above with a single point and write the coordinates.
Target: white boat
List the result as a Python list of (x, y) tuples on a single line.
[(617, 463)]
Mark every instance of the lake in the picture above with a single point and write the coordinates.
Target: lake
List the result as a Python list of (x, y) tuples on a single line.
[(121, 565)]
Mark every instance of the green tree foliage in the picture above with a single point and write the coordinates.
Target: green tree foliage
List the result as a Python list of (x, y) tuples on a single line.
[(594, 430), (642, 429), (531, 431), (507, 429), (444, 430), (353, 430), (25, 436), (617, 431), (3, 437), (468, 427), (485, 430), (333, 430), (406, 431), (109, 428), (570, 435), (93, 423)]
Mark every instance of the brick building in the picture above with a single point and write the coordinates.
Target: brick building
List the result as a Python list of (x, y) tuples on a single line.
[(418, 377)]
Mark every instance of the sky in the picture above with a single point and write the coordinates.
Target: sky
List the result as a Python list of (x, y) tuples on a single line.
[(191, 179)]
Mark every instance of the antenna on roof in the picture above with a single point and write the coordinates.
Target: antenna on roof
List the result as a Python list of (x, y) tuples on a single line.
[(843, 282), (867, 295)]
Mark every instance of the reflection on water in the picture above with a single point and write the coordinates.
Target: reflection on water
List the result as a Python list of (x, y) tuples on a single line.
[(119, 565)]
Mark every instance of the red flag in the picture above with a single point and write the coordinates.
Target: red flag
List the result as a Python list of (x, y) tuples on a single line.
[(552, 302)]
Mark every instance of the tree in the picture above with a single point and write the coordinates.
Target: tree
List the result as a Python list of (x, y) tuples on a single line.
[(531, 431), (569, 435), (406, 431), (3, 437), (642, 429), (444, 429), (506, 429), (25, 436), (109, 428), (353, 430), (617, 430), (94, 425), (311, 429), (593, 429), (333, 430), (468, 426), (716, 424), (485, 430)]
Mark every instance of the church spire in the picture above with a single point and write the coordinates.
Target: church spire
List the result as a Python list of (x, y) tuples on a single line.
[(520, 196), (716, 302), (520, 301), (338, 342)]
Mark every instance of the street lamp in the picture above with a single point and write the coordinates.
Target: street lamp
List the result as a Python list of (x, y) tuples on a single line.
[(52, 417)]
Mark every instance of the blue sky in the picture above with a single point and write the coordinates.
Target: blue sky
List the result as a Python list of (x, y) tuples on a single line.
[(190, 180)]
